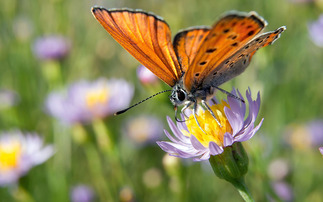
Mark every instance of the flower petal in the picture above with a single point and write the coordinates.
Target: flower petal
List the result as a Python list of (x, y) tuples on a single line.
[(175, 130), (215, 149), (196, 144), (227, 139)]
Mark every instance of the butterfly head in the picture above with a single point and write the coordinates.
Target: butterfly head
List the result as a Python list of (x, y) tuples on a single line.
[(179, 95)]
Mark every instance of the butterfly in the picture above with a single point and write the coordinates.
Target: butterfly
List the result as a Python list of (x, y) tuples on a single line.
[(199, 59)]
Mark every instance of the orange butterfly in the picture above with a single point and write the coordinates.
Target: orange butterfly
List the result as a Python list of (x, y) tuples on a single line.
[(200, 58)]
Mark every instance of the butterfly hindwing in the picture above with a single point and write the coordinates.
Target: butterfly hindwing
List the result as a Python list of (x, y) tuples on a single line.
[(238, 62), (228, 35), (145, 36)]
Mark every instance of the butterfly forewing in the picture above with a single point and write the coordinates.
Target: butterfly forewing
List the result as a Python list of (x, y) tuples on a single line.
[(145, 36), (187, 42), (228, 35), (239, 61)]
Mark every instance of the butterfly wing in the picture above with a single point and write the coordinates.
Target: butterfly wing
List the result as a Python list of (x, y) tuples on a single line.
[(238, 62), (187, 42), (229, 34), (145, 36)]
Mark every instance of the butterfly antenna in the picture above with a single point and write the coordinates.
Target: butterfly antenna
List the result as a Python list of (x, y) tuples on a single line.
[(124, 110), (230, 94)]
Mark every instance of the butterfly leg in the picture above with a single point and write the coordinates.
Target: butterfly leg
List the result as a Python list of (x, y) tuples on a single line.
[(213, 100), (210, 110), (177, 120), (186, 107), (194, 114), (230, 94)]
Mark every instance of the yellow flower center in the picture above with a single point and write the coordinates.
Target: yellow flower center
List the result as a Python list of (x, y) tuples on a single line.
[(97, 97), (211, 129), (10, 153)]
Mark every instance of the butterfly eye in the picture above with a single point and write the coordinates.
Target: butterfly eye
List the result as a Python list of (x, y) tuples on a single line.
[(181, 95)]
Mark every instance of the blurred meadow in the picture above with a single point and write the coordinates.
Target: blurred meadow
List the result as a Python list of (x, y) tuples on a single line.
[(48, 48)]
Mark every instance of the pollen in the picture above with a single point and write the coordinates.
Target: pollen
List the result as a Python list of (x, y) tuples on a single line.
[(211, 129), (10, 153)]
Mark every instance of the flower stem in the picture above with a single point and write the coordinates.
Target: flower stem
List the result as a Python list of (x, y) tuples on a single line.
[(232, 165), (240, 185), (105, 190), (103, 136)]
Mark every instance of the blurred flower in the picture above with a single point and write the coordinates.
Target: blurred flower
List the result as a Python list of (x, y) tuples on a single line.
[(283, 190), (301, 1), (316, 31), (278, 169), (22, 28), (189, 141), (306, 135), (8, 98), (315, 129), (52, 47), (321, 150), (85, 101), (82, 193), (19, 153), (152, 173), (171, 164), (126, 195), (145, 75), (144, 129)]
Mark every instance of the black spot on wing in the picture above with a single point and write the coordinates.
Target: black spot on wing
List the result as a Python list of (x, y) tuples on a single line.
[(210, 50), (226, 30), (251, 32)]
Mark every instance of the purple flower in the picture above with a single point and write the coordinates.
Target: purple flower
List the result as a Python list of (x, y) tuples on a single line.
[(316, 31), (144, 129), (306, 135), (82, 193), (321, 150), (189, 141), (52, 47), (19, 153), (283, 190), (146, 76), (85, 101), (315, 129), (8, 98), (278, 169), (301, 1)]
